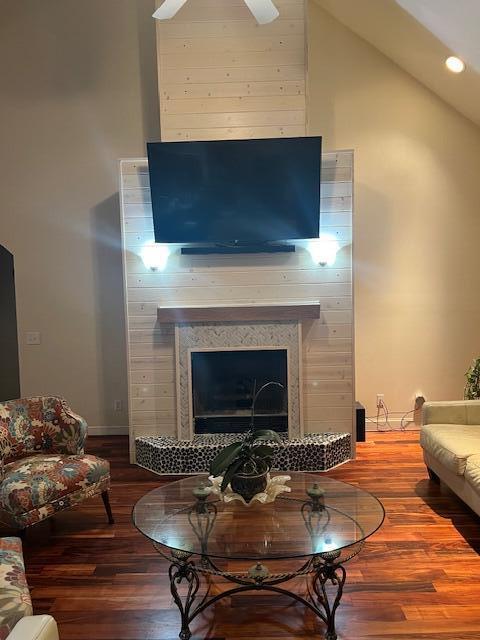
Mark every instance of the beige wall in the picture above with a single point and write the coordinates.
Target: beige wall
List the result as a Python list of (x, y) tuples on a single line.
[(78, 92), (417, 227)]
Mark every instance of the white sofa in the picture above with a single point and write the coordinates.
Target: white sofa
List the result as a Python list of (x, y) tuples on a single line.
[(34, 628), (450, 438)]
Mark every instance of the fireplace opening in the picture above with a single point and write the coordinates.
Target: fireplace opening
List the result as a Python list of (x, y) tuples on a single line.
[(223, 386)]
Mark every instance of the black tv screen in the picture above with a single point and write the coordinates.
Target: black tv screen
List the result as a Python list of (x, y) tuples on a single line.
[(235, 191)]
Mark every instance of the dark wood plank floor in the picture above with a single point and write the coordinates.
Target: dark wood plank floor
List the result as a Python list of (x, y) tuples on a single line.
[(418, 577)]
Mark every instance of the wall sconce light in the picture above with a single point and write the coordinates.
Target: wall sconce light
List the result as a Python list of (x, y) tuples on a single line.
[(324, 250), (155, 256)]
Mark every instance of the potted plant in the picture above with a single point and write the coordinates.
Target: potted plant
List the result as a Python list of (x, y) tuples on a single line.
[(472, 388), (245, 464)]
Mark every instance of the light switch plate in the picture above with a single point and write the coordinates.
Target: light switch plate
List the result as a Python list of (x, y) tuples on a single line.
[(33, 337)]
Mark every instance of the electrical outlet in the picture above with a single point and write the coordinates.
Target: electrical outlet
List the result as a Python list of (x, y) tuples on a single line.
[(117, 405), (380, 399), (33, 337)]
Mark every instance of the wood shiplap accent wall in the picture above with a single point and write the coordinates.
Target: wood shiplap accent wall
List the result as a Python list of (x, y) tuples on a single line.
[(254, 278), (221, 75)]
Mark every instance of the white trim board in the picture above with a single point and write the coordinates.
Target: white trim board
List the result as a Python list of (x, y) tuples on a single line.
[(108, 431), (396, 426)]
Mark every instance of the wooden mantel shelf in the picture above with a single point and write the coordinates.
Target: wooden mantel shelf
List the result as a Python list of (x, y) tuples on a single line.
[(235, 313)]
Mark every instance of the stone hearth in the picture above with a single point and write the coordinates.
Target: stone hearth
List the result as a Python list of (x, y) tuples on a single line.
[(313, 452)]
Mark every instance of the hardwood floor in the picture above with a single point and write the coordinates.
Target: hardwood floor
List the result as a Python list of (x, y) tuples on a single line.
[(417, 578)]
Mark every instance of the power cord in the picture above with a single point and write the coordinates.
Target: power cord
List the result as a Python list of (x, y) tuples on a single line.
[(385, 425), (403, 425)]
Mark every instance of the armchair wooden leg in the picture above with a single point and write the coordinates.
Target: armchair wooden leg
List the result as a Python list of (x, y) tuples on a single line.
[(433, 476), (108, 508)]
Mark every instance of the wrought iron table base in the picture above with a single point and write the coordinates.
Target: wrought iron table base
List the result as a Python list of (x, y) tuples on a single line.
[(323, 567)]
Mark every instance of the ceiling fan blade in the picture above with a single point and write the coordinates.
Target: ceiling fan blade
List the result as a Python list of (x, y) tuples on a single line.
[(264, 11), (168, 9)]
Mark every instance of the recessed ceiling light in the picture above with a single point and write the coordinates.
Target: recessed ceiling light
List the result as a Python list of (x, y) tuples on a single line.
[(454, 64)]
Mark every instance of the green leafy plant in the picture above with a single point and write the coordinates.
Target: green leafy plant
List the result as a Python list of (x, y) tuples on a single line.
[(472, 387), (250, 456)]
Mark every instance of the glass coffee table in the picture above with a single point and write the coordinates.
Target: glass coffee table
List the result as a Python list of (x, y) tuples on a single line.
[(321, 524)]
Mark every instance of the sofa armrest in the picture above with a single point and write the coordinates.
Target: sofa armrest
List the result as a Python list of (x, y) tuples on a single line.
[(35, 628)]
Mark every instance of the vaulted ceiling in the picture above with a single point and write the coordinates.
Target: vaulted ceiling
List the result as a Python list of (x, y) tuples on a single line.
[(456, 24), (419, 35)]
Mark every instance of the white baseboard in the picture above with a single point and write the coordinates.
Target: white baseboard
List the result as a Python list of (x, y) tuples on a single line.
[(396, 425), (107, 431)]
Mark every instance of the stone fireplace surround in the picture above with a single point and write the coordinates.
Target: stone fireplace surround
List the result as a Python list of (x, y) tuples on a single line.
[(231, 336)]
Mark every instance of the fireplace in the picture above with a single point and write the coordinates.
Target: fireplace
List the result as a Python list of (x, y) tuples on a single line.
[(262, 350), (223, 385)]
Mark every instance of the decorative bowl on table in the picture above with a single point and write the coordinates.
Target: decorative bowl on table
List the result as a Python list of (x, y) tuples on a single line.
[(274, 486)]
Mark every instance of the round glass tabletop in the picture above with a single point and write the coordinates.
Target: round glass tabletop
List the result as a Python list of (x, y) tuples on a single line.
[(290, 527)]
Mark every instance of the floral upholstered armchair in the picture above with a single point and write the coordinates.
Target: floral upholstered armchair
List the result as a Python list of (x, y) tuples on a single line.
[(43, 468), (17, 621)]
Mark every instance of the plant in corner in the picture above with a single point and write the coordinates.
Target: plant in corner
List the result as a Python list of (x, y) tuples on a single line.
[(472, 387), (245, 464)]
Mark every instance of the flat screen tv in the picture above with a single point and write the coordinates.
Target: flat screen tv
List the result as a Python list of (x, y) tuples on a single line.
[(235, 191)]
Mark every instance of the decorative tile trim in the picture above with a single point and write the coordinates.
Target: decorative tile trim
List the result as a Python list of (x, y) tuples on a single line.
[(236, 336), (314, 452)]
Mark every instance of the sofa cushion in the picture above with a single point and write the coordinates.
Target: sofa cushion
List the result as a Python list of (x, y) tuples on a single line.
[(451, 444), (43, 479), (452, 412), (15, 602), (472, 471), (473, 412), (444, 413)]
